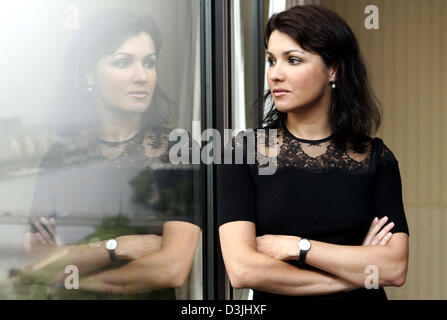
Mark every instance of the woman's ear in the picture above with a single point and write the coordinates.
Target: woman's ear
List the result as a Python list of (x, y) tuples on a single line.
[(90, 79), (332, 73), (89, 76), (333, 70)]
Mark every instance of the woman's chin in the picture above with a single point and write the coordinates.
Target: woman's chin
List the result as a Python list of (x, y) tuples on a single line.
[(134, 107), (288, 108), (281, 107), (138, 109)]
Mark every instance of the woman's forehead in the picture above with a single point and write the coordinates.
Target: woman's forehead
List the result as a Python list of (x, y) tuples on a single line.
[(281, 42), (137, 44)]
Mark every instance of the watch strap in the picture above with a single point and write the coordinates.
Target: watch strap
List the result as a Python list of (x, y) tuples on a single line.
[(111, 246), (302, 257), (112, 255)]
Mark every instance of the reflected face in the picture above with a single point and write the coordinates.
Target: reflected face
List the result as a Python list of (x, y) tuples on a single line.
[(125, 80), (296, 77)]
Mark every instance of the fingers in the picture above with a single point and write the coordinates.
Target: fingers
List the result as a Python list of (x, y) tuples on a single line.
[(50, 225), (43, 234), (40, 238), (375, 227), (376, 233), (385, 239), (378, 238), (47, 231)]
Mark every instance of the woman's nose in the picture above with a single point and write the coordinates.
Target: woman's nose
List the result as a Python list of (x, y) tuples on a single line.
[(276, 73), (140, 74)]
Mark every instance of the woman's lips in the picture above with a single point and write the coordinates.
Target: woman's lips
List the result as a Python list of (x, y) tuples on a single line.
[(280, 93), (138, 94)]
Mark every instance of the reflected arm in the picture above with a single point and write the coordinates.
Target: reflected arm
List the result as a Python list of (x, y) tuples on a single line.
[(166, 268), (51, 261)]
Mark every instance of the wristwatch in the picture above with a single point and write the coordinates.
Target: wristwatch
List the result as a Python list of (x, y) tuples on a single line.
[(304, 247), (111, 246)]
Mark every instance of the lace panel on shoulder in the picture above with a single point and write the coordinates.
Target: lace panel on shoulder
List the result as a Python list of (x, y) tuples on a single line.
[(287, 151)]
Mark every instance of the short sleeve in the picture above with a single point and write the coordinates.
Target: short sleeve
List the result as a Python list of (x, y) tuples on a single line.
[(179, 189), (388, 189), (238, 202)]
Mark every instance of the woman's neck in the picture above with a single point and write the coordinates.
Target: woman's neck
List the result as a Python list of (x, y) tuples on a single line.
[(117, 126), (309, 123)]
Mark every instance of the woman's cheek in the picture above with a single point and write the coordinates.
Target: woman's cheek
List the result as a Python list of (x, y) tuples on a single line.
[(111, 81), (154, 78)]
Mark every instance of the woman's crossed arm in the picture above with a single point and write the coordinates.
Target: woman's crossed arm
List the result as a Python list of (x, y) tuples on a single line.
[(254, 263)]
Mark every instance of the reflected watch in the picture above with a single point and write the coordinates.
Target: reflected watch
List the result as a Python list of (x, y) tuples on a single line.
[(111, 246)]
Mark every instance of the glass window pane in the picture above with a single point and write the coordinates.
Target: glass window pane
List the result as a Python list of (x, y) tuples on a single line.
[(94, 90)]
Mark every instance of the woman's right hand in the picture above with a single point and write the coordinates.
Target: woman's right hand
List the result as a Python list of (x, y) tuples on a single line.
[(137, 246), (376, 235)]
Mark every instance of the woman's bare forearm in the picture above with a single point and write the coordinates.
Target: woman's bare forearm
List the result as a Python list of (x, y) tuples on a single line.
[(353, 262), (260, 272)]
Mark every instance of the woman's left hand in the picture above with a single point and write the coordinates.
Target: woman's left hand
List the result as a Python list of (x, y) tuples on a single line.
[(277, 246)]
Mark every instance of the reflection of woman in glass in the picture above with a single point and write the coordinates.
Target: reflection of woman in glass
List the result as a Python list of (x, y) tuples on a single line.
[(306, 230), (113, 164)]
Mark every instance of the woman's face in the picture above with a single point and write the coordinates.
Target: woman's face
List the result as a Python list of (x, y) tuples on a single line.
[(297, 78), (125, 80)]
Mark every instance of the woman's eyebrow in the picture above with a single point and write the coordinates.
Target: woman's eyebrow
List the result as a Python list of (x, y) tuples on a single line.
[(122, 53), (287, 52), (294, 50), (131, 55)]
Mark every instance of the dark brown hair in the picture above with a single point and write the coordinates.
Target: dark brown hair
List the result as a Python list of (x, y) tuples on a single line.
[(355, 112)]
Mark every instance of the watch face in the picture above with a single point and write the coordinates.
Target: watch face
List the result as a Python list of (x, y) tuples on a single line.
[(111, 244), (304, 244)]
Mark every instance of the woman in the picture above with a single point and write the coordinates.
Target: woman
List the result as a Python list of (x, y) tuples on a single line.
[(112, 164), (306, 230)]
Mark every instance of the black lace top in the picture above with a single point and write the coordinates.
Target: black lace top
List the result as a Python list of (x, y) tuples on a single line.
[(314, 190)]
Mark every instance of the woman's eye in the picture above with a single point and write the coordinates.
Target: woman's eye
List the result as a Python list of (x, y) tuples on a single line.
[(270, 61), (294, 60), (149, 63), (122, 63)]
